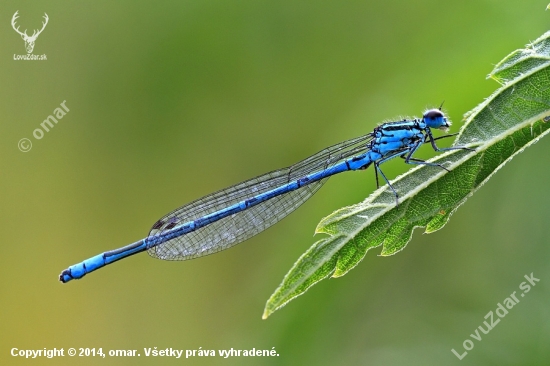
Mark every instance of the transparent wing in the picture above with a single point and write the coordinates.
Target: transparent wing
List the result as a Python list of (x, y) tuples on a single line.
[(234, 229)]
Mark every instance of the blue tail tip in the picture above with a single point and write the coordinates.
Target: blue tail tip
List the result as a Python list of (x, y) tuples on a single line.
[(65, 276)]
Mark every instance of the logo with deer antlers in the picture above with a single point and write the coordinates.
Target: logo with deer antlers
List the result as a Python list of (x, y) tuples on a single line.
[(29, 40)]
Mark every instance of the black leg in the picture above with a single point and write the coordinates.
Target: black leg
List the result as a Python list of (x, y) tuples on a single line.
[(377, 168), (410, 160), (445, 136), (432, 141)]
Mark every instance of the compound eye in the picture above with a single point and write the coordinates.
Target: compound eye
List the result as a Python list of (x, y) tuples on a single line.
[(433, 114)]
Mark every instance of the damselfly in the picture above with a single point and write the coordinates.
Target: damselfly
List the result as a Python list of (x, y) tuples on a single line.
[(225, 218)]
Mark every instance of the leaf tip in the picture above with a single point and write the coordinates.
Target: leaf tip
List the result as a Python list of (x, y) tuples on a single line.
[(438, 221)]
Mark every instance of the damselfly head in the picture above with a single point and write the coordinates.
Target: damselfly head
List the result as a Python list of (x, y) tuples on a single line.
[(435, 118)]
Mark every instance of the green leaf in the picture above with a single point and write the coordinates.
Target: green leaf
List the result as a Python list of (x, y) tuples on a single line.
[(507, 122)]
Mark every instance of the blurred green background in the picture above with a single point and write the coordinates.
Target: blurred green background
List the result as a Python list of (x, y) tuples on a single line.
[(170, 101)]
